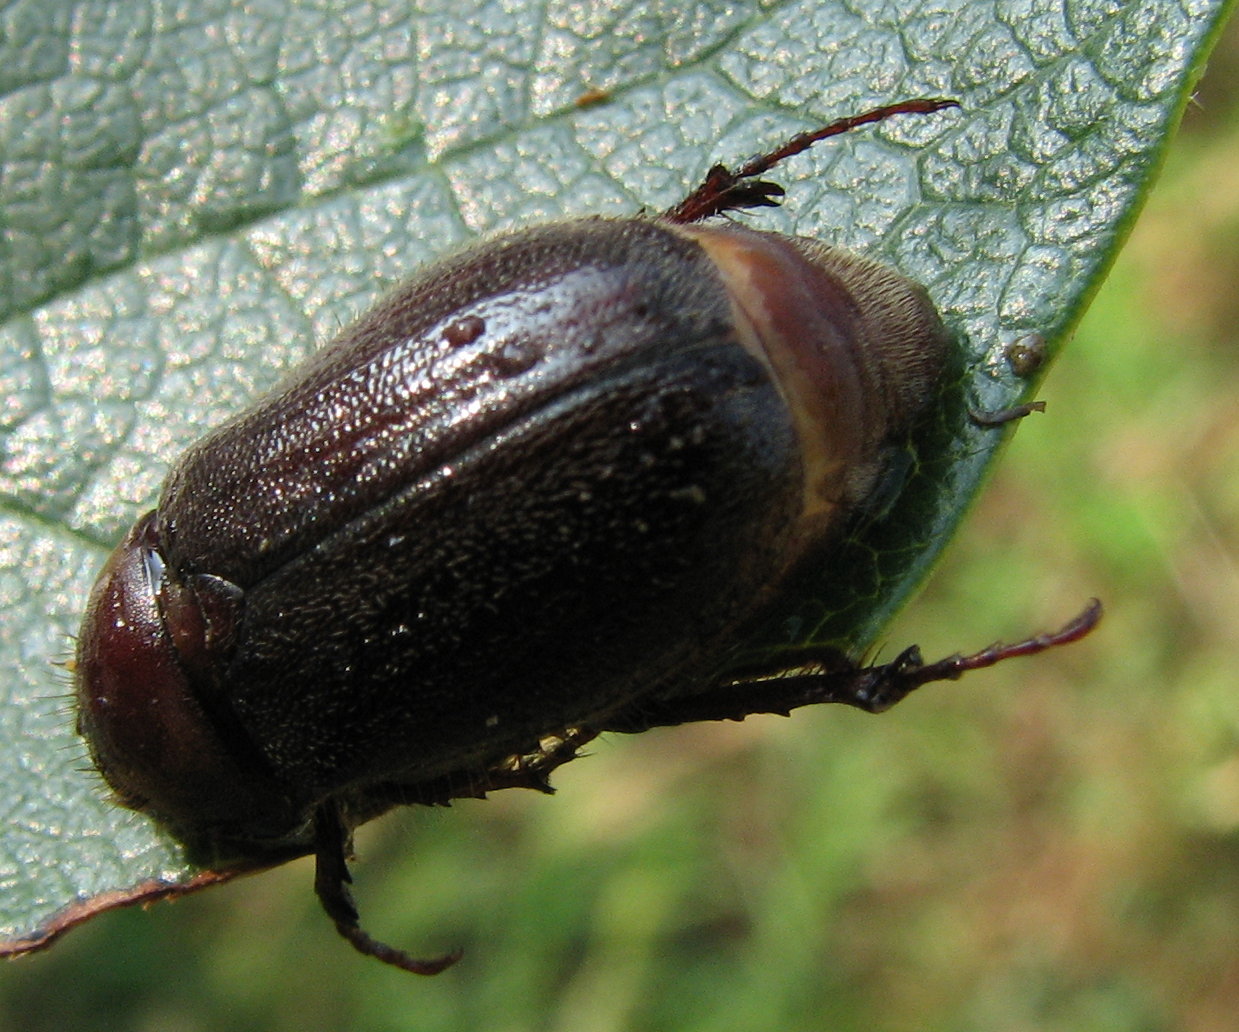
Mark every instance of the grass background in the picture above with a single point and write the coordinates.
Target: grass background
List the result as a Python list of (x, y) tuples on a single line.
[(1050, 845)]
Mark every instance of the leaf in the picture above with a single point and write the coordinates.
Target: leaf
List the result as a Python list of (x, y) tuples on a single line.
[(191, 202)]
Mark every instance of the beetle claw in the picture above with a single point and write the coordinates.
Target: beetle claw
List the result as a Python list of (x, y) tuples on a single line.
[(1001, 417)]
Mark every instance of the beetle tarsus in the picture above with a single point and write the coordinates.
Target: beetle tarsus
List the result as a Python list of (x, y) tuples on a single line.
[(723, 190), (331, 881), (954, 667), (883, 686)]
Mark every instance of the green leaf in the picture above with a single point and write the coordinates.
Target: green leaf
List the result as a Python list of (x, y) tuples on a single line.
[(189, 202)]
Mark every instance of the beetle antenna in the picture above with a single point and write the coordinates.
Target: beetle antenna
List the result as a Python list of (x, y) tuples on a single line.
[(331, 880), (723, 190)]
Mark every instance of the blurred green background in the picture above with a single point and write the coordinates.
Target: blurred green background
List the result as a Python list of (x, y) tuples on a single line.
[(1053, 844)]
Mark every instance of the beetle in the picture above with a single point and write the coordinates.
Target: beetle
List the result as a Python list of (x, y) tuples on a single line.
[(538, 493)]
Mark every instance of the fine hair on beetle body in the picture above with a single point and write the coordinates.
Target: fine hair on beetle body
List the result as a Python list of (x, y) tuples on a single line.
[(541, 491)]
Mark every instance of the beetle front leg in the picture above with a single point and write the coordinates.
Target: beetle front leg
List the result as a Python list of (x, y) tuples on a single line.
[(820, 674)]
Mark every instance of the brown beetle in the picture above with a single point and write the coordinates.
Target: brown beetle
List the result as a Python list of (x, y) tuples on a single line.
[(536, 494)]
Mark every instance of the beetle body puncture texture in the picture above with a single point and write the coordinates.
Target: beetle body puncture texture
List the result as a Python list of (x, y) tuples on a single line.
[(535, 494)]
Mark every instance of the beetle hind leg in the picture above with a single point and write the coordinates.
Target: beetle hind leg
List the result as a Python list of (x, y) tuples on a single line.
[(331, 881)]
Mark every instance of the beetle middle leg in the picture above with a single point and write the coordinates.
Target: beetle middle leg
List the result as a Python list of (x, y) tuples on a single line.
[(819, 674)]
